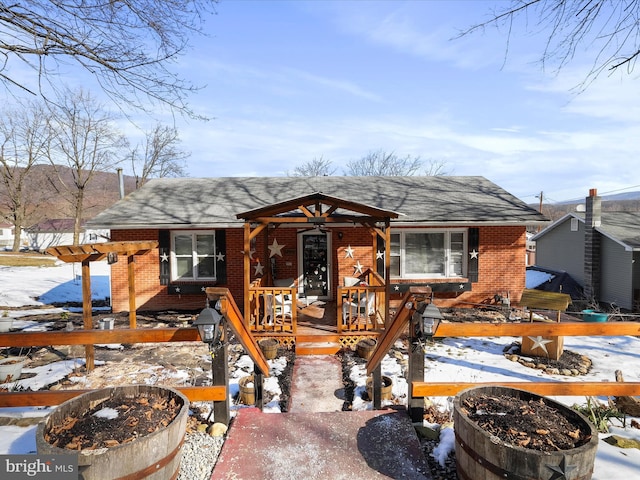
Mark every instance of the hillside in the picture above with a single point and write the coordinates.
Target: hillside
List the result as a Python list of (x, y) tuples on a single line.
[(49, 198), (627, 202)]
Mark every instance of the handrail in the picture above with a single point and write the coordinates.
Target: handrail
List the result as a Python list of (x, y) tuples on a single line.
[(231, 312), (139, 335), (559, 388), (272, 309), (570, 329), (48, 397), (360, 308)]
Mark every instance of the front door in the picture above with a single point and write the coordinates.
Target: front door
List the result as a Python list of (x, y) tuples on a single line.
[(313, 247)]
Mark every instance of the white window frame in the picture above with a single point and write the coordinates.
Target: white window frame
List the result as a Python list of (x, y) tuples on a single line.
[(574, 224), (194, 256), (447, 247)]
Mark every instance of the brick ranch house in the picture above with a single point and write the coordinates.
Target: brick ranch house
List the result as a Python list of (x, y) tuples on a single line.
[(463, 236)]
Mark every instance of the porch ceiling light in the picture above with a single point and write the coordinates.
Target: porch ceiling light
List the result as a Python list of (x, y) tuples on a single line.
[(208, 323)]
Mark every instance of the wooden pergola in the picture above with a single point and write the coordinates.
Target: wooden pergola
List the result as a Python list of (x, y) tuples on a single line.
[(318, 209), (93, 252)]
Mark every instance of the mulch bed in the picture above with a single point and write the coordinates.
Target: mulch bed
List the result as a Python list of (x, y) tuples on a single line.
[(134, 418), (524, 423)]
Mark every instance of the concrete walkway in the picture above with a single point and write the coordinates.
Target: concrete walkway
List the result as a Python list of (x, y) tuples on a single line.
[(316, 440), (316, 384), (319, 446)]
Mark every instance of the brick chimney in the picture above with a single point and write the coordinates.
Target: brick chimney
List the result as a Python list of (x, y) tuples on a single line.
[(593, 219)]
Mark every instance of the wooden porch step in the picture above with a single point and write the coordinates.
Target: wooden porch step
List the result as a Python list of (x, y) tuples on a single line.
[(317, 348)]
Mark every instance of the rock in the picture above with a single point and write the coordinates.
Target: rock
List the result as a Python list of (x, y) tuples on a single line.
[(427, 432), (217, 429), (622, 442), (202, 427)]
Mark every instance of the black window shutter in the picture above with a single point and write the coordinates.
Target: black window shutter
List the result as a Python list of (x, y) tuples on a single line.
[(474, 244), (164, 245), (221, 265), (380, 260)]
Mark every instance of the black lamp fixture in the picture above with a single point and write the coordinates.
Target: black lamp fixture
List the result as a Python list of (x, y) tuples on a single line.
[(430, 319), (208, 323)]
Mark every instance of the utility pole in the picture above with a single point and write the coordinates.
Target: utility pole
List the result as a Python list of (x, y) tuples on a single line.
[(541, 196)]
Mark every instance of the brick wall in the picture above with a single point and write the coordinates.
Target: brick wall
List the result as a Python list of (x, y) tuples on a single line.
[(501, 263)]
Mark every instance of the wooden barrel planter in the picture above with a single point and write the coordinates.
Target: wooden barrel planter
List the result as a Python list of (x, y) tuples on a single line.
[(247, 390), (269, 347), (154, 456), (484, 456), (387, 387), (365, 347)]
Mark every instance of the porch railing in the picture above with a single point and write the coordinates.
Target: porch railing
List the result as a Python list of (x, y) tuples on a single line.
[(362, 307), (272, 309)]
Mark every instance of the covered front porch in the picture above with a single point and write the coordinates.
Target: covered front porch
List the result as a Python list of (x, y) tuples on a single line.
[(332, 286)]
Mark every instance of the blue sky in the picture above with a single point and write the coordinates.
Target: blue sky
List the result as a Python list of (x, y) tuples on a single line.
[(288, 81)]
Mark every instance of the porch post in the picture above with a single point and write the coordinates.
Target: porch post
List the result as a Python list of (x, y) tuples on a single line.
[(87, 312), (387, 270), (247, 271), (220, 374)]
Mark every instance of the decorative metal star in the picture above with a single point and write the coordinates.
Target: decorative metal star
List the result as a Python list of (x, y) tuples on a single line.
[(220, 257), (396, 288), (164, 257), (379, 255), (177, 290), (358, 267), (461, 286), (540, 342), (348, 252), (275, 248), (562, 471), (251, 252), (203, 289), (259, 269), (473, 253)]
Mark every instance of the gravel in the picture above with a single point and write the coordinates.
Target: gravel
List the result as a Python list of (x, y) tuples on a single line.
[(199, 455)]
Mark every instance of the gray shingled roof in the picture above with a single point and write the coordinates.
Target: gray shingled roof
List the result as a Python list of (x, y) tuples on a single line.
[(214, 202), (622, 226)]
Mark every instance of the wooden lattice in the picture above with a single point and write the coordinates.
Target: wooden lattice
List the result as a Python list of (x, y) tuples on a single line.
[(350, 341)]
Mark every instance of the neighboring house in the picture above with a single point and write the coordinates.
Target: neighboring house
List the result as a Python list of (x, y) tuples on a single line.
[(599, 250), (59, 231), (463, 236), (6, 235), (7, 231)]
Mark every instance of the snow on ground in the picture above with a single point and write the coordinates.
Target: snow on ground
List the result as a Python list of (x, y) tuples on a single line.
[(459, 359)]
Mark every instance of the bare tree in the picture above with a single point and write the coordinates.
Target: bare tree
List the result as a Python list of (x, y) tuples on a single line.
[(317, 167), (84, 140), (127, 46), (23, 140), (436, 168), (381, 163), (158, 155), (609, 28)]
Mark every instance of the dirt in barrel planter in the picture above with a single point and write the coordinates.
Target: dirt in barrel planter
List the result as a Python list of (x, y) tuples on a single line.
[(527, 423), (116, 421)]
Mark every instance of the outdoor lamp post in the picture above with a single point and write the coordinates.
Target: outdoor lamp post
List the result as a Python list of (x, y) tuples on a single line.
[(210, 327), (424, 324), (430, 319), (208, 323)]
